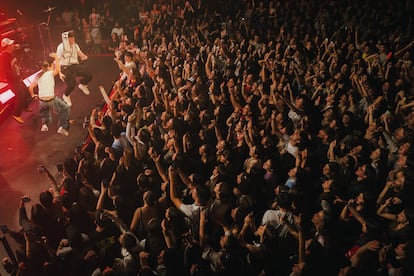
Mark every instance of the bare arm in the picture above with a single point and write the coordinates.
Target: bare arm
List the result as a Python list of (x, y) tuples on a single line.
[(381, 210), (236, 105), (160, 169), (344, 212), (174, 198), (169, 237), (248, 224), (384, 191), (135, 219), (184, 178), (357, 215), (202, 235), (208, 67), (56, 69), (99, 203), (373, 245), (399, 52)]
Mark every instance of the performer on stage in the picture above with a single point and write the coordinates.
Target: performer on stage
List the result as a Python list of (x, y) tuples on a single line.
[(69, 54), (46, 83), (10, 73)]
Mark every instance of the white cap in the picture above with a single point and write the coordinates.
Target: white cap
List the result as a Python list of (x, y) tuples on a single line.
[(6, 42)]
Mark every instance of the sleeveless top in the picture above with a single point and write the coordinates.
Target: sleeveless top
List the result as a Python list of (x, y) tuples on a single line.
[(46, 84)]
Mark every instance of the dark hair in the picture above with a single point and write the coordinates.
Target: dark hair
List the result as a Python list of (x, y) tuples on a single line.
[(46, 199), (221, 213), (333, 169), (197, 179), (70, 166), (145, 135), (107, 168), (100, 219), (226, 191), (227, 154), (143, 182), (129, 54), (127, 108), (270, 238), (74, 236), (373, 227), (284, 200), (107, 121), (150, 198), (68, 185), (231, 259), (38, 214), (351, 161), (99, 135), (173, 262), (203, 194), (116, 129), (129, 240)]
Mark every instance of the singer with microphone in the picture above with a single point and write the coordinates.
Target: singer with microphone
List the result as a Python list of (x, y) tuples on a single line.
[(70, 55)]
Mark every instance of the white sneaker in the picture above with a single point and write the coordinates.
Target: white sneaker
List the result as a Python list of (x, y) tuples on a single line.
[(84, 88), (44, 128), (63, 131), (67, 99)]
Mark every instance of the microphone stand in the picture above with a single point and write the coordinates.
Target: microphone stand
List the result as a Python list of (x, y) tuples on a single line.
[(44, 27)]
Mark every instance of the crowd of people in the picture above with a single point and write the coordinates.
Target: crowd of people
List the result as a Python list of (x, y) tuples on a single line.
[(241, 138)]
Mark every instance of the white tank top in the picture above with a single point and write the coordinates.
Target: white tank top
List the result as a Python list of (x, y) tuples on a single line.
[(46, 84)]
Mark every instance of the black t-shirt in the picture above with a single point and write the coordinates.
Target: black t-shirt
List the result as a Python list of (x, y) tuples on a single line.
[(106, 244)]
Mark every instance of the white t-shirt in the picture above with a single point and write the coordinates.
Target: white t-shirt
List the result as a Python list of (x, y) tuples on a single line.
[(274, 218), (192, 211), (293, 150), (46, 84), (130, 66), (118, 31), (68, 55), (295, 117)]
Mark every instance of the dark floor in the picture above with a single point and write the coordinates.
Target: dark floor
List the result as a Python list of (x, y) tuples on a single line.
[(23, 147)]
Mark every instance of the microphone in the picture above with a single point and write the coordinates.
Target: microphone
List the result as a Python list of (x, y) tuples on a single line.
[(19, 12)]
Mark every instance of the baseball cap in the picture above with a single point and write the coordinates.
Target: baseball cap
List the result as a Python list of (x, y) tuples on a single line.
[(6, 42)]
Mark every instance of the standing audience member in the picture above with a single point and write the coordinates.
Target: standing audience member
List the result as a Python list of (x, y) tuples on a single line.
[(244, 75), (95, 22)]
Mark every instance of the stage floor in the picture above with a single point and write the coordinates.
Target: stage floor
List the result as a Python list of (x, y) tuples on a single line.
[(23, 147)]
